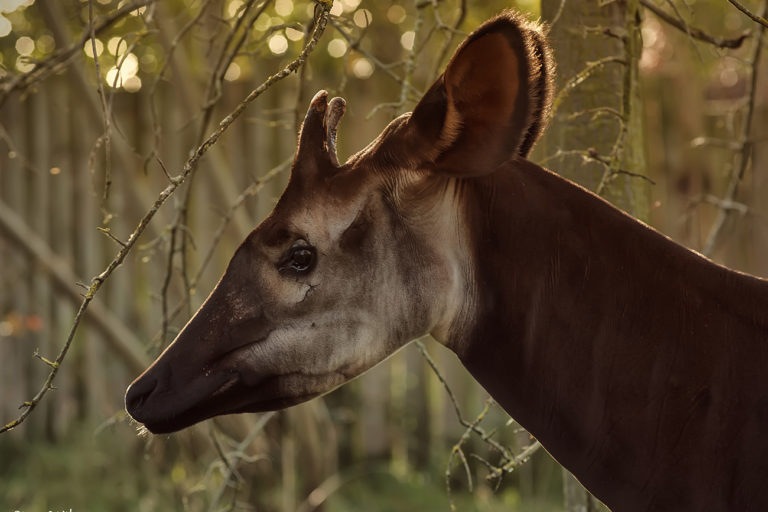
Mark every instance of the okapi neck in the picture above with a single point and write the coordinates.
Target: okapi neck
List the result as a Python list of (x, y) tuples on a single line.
[(610, 343)]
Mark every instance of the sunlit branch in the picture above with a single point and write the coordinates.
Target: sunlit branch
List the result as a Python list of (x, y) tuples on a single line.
[(355, 45), (686, 29), (59, 59), (103, 102), (410, 60), (449, 34), (742, 157), (251, 191), (720, 42), (508, 459), (116, 334), (190, 165), (231, 459), (758, 19), (589, 70), (159, 76)]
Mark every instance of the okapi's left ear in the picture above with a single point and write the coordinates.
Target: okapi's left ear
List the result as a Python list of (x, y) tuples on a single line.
[(492, 102)]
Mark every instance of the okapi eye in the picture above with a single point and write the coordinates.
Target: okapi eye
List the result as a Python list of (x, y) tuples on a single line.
[(299, 259)]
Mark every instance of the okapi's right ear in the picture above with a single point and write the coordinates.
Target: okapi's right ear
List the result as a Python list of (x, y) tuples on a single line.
[(492, 102)]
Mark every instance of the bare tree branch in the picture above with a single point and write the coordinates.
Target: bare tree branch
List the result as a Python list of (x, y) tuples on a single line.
[(758, 19), (742, 157), (120, 338), (322, 14), (59, 59), (720, 42), (509, 461), (589, 70)]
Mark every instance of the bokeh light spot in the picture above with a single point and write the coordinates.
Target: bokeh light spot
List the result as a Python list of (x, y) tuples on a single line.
[(350, 5), (278, 44), (23, 65), (46, 43), (362, 18), (5, 26), (337, 48), (233, 72), (362, 68), (88, 48), (12, 5), (293, 34), (113, 78), (25, 45), (284, 7), (149, 62), (406, 40), (117, 46), (729, 76), (136, 12), (132, 84), (262, 23), (396, 14), (234, 7), (129, 66)]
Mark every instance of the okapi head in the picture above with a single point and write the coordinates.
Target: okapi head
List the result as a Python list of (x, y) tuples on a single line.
[(357, 259)]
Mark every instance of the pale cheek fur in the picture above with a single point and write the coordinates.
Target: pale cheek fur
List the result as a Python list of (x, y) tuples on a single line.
[(322, 344)]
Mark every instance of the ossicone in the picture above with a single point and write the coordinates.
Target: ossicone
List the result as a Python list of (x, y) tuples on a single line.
[(317, 139)]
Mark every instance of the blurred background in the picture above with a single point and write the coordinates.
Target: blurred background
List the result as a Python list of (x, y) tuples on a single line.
[(662, 108)]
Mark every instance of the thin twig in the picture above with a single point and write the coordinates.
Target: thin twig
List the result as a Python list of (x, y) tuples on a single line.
[(720, 42), (758, 19), (686, 29), (355, 45), (589, 70), (59, 59), (189, 167), (745, 151), (231, 458), (252, 190), (103, 103), (475, 428)]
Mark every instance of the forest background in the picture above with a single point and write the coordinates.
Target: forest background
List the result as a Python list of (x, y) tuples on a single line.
[(126, 182)]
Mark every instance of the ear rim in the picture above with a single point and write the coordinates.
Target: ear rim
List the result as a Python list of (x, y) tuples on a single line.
[(543, 90), (536, 72)]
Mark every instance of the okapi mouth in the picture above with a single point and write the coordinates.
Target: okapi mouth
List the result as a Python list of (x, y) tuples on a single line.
[(270, 394)]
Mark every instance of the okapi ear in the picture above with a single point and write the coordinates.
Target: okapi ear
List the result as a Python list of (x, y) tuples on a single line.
[(492, 101), (317, 139)]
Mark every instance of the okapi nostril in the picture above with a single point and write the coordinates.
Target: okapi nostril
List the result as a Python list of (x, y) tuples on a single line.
[(137, 394)]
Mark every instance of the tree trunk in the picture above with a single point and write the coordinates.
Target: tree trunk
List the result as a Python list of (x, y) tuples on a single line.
[(595, 137)]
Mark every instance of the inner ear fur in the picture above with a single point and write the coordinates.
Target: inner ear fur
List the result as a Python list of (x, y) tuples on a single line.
[(492, 102)]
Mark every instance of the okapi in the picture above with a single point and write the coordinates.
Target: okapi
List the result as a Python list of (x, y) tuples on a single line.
[(639, 364)]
